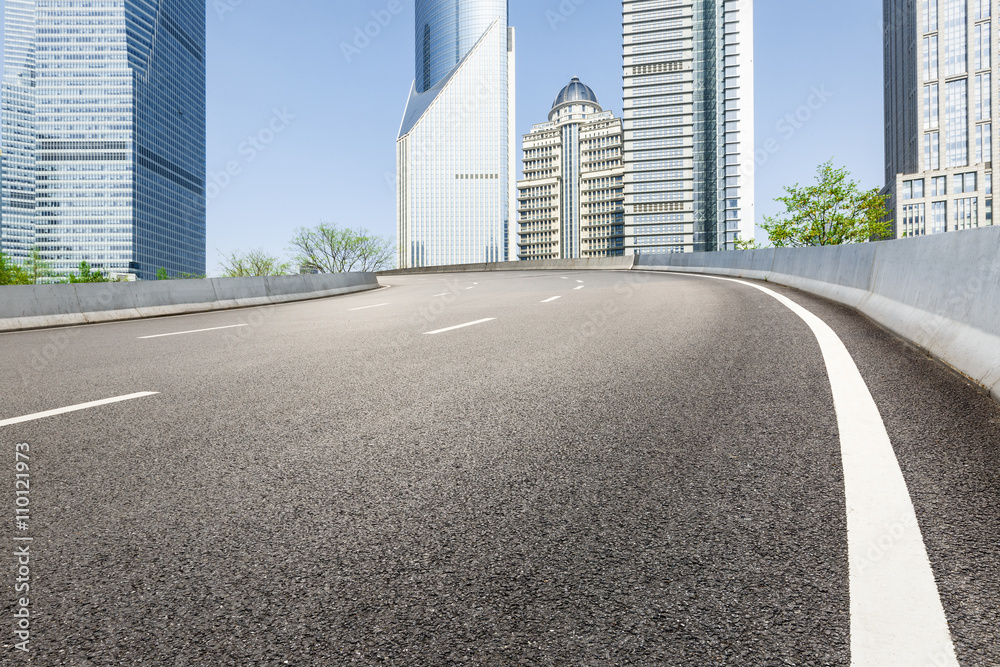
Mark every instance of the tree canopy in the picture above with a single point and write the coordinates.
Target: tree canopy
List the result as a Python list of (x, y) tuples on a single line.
[(254, 263), (834, 211), (328, 248)]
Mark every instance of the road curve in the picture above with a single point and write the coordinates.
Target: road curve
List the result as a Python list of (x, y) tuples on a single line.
[(467, 469)]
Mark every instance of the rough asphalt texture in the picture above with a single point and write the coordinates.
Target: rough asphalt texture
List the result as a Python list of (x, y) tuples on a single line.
[(644, 472)]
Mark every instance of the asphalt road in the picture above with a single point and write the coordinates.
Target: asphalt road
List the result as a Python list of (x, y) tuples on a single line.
[(644, 471)]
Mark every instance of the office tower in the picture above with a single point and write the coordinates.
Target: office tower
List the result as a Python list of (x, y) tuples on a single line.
[(939, 91), (571, 197), (455, 148), (688, 119), (17, 172), (108, 160)]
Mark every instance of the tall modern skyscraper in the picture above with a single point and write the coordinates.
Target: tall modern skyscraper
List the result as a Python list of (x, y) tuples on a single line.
[(571, 196), (455, 150), (939, 92), (689, 122), (104, 134)]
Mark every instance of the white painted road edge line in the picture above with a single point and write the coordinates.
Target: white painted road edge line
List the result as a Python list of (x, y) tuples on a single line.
[(75, 408), (378, 305), (552, 299), (459, 326), (181, 333), (897, 619)]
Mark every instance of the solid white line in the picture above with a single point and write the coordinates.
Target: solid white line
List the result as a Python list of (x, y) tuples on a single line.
[(75, 408), (552, 299), (181, 333), (897, 618), (580, 287), (460, 326), (378, 305)]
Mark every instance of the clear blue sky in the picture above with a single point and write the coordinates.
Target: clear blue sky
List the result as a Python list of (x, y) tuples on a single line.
[(332, 161)]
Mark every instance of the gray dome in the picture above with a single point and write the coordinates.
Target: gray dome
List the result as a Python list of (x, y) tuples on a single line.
[(575, 92)]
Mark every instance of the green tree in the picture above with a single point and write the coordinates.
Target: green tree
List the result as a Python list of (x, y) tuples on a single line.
[(832, 212), (11, 273), (328, 248), (88, 275), (747, 244), (254, 263), (161, 274), (37, 268)]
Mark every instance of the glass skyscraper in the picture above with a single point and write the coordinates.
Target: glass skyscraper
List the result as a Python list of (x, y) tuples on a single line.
[(104, 134), (688, 119), (939, 92), (455, 149), (571, 196)]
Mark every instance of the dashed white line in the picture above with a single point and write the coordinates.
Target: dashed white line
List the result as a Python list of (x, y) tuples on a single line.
[(443, 294), (74, 408), (552, 299), (897, 618), (576, 288), (378, 305), (473, 287), (579, 281), (565, 278), (459, 326), (182, 333)]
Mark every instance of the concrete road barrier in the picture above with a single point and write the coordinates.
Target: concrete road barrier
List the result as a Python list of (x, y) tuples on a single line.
[(40, 306), (594, 263), (941, 292)]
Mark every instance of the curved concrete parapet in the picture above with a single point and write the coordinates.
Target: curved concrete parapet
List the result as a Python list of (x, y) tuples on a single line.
[(942, 292), (41, 306)]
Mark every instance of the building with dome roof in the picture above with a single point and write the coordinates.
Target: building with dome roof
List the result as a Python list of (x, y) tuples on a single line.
[(455, 148), (570, 201)]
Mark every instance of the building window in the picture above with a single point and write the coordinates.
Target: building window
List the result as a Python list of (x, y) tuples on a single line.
[(966, 213), (931, 106), (930, 14), (930, 58), (956, 37), (982, 46), (939, 217), (939, 186), (983, 9), (984, 143), (957, 123), (932, 150), (983, 97), (964, 183)]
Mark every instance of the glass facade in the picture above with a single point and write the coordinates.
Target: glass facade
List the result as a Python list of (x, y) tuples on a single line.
[(17, 218), (688, 121), (118, 133), (455, 146), (939, 119)]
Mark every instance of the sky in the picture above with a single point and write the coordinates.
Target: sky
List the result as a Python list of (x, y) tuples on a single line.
[(325, 118)]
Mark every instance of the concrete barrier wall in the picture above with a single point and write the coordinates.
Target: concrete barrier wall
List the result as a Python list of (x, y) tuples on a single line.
[(596, 263), (941, 292), (38, 306)]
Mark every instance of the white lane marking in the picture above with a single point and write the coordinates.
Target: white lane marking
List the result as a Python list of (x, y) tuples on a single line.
[(576, 288), (444, 294), (579, 281), (378, 305), (897, 618), (552, 299), (181, 333), (470, 287), (75, 408), (565, 278), (459, 326)]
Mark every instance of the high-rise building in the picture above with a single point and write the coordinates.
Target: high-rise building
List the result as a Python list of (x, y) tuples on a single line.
[(104, 134), (689, 122), (939, 92), (571, 197), (455, 148)]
